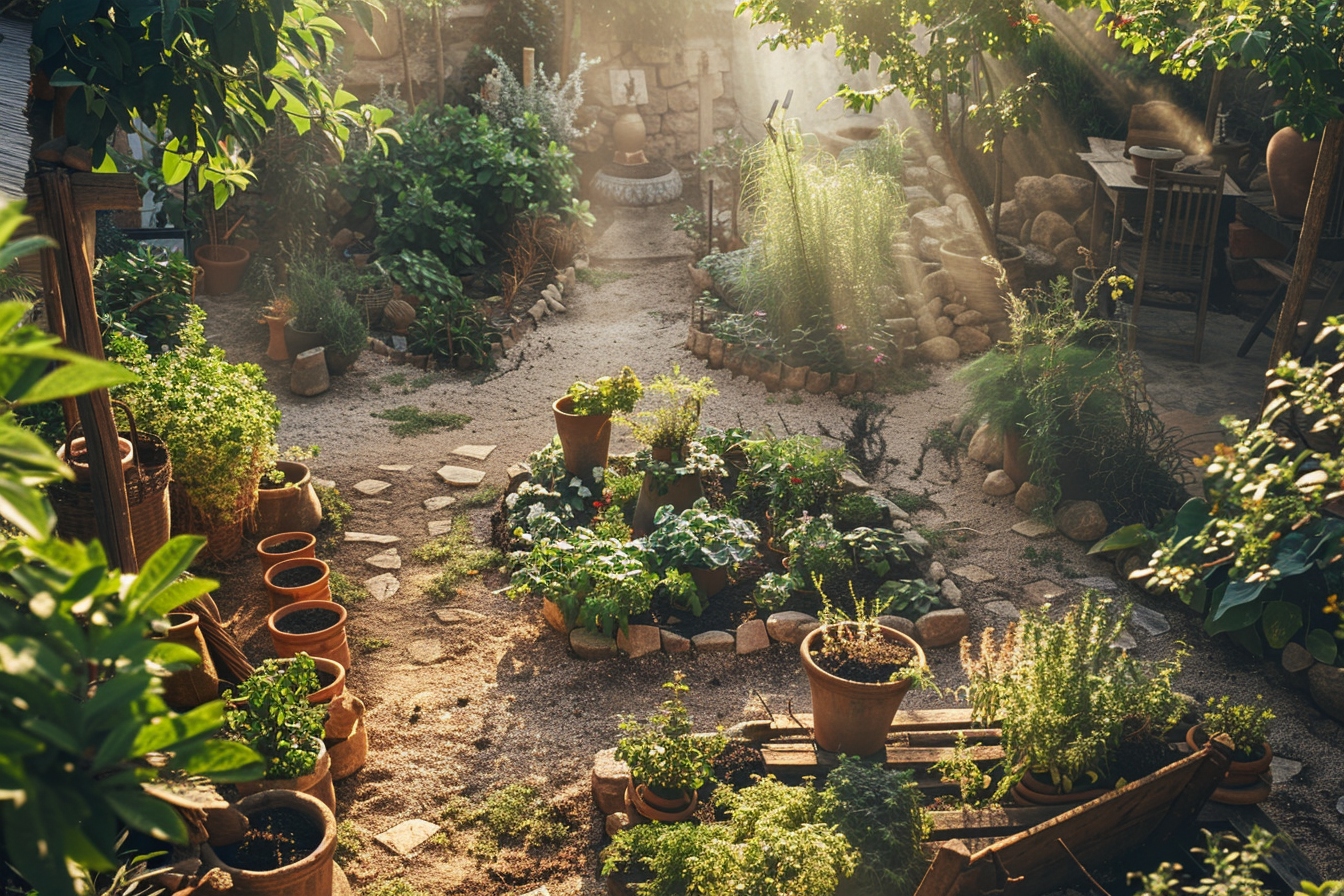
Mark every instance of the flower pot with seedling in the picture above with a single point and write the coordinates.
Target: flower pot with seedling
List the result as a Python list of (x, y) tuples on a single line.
[(286, 499), (284, 546), (668, 762), (674, 463), (583, 418), (314, 627), (303, 578), (289, 848), (702, 542), (1247, 725)]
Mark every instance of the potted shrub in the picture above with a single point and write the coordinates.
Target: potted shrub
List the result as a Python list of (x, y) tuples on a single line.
[(1247, 724), (302, 578), (344, 334), (816, 551), (270, 713), (344, 732), (673, 466), (286, 499), (289, 846), (668, 762), (312, 291), (283, 546), (859, 672), (583, 418), (596, 583), (1077, 714), (703, 542), (314, 627), (224, 264)]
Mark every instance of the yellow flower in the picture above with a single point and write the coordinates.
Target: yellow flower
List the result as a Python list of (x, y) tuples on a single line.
[(1332, 606)]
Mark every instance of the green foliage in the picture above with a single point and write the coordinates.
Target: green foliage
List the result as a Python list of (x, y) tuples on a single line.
[(699, 538), (597, 583), (624, 488), (343, 329), (880, 812), (794, 476), (857, 511), (397, 886), (409, 420), (911, 598), (845, 638), (775, 843), (336, 512), (145, 295), (1246, 723), (515, 814), (349, 841), (772, 593), (665, 752), (449, 325), (272, 715), (218, 419), (424, 274), (961, 769), (483, 496), (1231, 868), (816, 548), (607, 395), (877, 550), (1064, 697), (554, 103), (345, 591), (909, 501), (677, 418), (600, 277), (458, 557)]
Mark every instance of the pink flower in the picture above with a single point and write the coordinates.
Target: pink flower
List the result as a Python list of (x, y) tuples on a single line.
[(879, 358), (841, 327)]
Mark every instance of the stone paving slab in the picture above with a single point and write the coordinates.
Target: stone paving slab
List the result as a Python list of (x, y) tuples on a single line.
[(405, 838), (475, 452), (438, 502), (388, 559), (383, 586), (372, 538), (371, 487), (460, 476)]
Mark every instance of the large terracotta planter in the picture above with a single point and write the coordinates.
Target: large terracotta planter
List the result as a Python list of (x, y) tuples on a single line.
[(585, 438), (329, 641), (280, 595), (849, 716), (681, 493), (977, 281), (293, 507), (269, 557), (310, 876), (1243, 784), (224, 266), (1292, 164), (198, 684)]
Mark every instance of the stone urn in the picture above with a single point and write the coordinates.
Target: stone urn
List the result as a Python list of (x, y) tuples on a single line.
[(628, 133)]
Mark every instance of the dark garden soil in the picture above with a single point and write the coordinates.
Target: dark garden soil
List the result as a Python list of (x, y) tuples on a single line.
[(286, 547), (738, 763), (277, 837), (865, 660), (296, 576), (306, 622), (325, 679)]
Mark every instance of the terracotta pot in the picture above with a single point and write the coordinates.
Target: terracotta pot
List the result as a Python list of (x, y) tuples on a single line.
[(555, 617), (585, 438), (976, 280), (293, 508), (399, 315), (818, 383), (269, 559), (792, 378), (845, 384), (734, 356), (281, 595), (715, 353), (78, 457), (655, 808), (1242, 783), (276, 349), (772, 376), (198, 684), (1033, 791), (316, 784), (1146, 159), (1292, 164), (310, 876), (328, 692), (689, 345), (681, 494), (710, 581), (330, 642), (299, 341), (849, 716), (1016, 456), (700, 344), (224, 266), (628, 132)]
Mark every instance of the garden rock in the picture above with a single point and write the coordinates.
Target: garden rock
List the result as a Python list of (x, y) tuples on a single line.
[(388, 559), (1032, 194), (853, 482), (1034, 529), (1099, 583), (790, 626), (972, 340), (969, 318), (1327, 689), (1296, 658), (1031, 496), (1124, 641), (918, 542), (371, 538), (927, 325), (460, 476), (673, 642), (942, 628), (1049, 230), (898, 623), (308, 376), (944, 326), (381, 587), (405, 838), (999, 484), (371, 487), (1042, 591), (426, 652), (1151, 622), (1011, 218), (642, 640), (1066, 253), (538, 310), (934, 223), (713, 642), (454, 616), (986, 447), (938, 285), (939, 349), (611, 779), (950, 593), (475, 452), (1071, 195), (1283, 769), (396, 468), (1081, 520), (617, 822), (953, 309), (929, 249), (591, 645), (752, 636), (1003, 608), (555, 305), (937, 572), (438, 502)]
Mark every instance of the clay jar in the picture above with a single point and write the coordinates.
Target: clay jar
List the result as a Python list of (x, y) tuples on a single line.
[(1291, 164), (345, 734), (290, 507), (224, 266), (316, 784), (198, 684), (317, 589), (681, 493), (584, 438), (311, 875), (269, 557), (1242, 785), (296, 628)]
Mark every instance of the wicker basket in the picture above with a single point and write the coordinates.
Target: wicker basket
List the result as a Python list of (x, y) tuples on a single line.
[(147, 482), (222, 542), (373, 301)]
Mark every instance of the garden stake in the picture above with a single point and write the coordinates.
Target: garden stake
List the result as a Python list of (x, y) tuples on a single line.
[(709, 221)]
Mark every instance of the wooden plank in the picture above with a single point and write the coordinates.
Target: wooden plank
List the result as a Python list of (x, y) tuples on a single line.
[(1197, 791), (93, 192), (806, 758), (1287, 861), (982, 736), (906, 720), (993, 822), (944, 871)]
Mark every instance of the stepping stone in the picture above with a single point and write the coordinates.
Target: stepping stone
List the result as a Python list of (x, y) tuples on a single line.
[(1284, 769), (438, 502), (396, 468), (972, 573), (950, 593), (426, 652), (1151, 621), (1003, 608), (460, 476), (1034, 529), (407, 836), (1125, 641), (388, 559), (371, 487), (453, 616), (1043, 591), (1100, 583), (382, 587), (325, 483), (475, 452), (854, 482), (372, 538), (440, 527)]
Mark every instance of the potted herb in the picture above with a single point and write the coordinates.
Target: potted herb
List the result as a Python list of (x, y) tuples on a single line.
[(314, 627), (286, 499), (672, 469), (859, 673), (668, 762), (816, 551), (344, 334), (703, 542), (312, 290), (270, 713), (583, 418), (1247, 724)]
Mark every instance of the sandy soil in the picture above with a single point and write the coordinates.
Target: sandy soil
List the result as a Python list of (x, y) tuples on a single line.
[(508, 703)]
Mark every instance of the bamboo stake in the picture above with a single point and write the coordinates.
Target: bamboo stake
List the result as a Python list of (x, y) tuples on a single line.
[(529, 65)]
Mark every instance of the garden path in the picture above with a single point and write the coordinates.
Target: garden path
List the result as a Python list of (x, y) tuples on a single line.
[(459, 708)]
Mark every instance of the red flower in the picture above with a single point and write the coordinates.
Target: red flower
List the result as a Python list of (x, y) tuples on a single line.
[(1034, 19), (795, 480), (597, 504)]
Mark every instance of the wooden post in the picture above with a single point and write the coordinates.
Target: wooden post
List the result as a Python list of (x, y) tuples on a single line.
[(440, 70), (529, 64), (1308, 241), (706, 89), (1215, 100), (405, 60)]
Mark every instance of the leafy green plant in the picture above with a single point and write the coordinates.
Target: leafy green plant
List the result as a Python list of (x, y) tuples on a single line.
[(409, 420), (793, 476), (855, 511), (1064, 697), (349, 841), (451, 326), (772, 592), (515, 813), (312, 291), (1247, 724), (1232, 868), (960, 768), (597, 583), (850, 643), (877, 550), (144, 294), (555, 103), (911, 598), (607, 395), (458, 557), (345, 591), (664, 752), (677, 419), (699, 538), (272, 715), (343, 329), (816, 548), (881, 814)]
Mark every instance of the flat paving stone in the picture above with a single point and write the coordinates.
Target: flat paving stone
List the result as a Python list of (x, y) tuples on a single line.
[(396, 468), (454, 616), (371, 487), (972, 573), (388, 559), (1125, 640), (1339, 806), (426, 651), (1150, 621), (438, 502), (460, 476), (1100, 583), (1003, 608), (641, 640), (439, 527), (475, 452), (1284, 769), (1034, 529), (382, 587), (325, 483), (950, 593), (1043, 591), (592, 645), (405, 838), (372, 538)]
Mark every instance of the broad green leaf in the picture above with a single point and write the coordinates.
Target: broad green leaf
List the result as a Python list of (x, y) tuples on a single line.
[(161, 570), (1247, 639), (27, 509), (165, 731), (78, 378), (1281, 620), (1238, 593), (1191, 518), (223, 762), (179, 593), (148, 814), (1234, 619), (1322, 646), (1135, 535)]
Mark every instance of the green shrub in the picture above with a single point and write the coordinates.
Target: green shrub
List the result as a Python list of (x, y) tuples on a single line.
[(272, 715), (144, 294), (343, 329), (881, 813), (1247, 724), (664, 752), (516, 814)]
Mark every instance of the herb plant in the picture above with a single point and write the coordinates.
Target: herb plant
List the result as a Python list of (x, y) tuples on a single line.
[(881, 814), (817, 549), (911, 598), (1247, 724), (607, 395), (145, 295), (664, 753), (597, 583), (699, 538), (1231, 868), (273, 716), (343, 329), (553, 102), (677, 418), (772, 592)]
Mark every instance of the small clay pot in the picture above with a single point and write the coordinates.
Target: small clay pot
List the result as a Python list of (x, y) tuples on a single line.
[(793, 378), (281, 595), (656, 808), (818, 383), (330, 642), (269, 559), (716, 347)]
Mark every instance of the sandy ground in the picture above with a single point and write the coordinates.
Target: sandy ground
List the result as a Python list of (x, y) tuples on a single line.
[(508, 703)]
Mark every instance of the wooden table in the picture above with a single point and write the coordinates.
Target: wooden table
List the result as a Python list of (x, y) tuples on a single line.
[(1113, 178)]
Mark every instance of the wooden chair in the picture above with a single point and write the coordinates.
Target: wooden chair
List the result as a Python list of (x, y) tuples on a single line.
[(1176, 251)]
